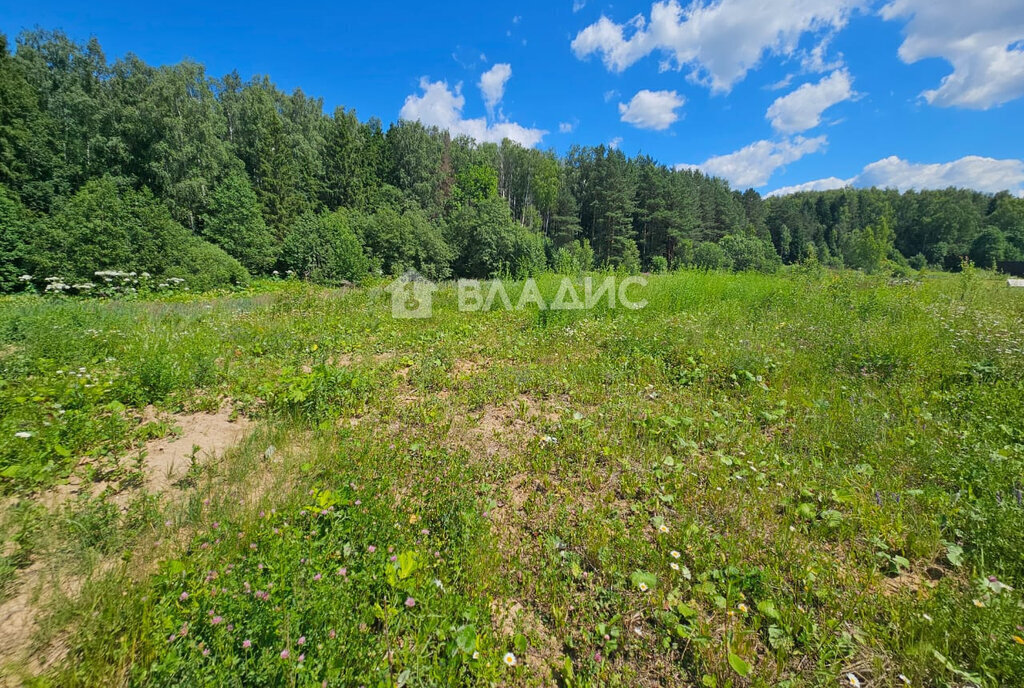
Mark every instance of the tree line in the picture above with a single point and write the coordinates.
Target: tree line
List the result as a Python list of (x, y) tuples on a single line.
[(167, 171)]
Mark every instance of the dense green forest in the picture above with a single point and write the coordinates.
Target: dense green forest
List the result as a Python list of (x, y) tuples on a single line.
[(166, 173)]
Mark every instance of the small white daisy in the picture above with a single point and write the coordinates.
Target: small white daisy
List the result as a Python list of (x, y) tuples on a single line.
[(675, 554), (509, 659)]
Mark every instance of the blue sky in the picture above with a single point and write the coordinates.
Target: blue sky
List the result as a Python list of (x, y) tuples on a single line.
[(771, 94)]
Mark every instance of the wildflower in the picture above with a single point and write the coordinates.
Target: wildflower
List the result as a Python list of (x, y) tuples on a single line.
[(926, 617), (302, 658), (284, 654), (316, 577), (183, 596), (476, 654), (410, 602), (246, 644), (642, 586), (302, 640), (332, 635), (413, 518), (343, 571), (674, 566), (663, 528), (23, 435), (979, 603), (742, 607), (371, 549), (854, 681), (1017, 639), (25, 278), (904, 679), (675, 554), (206, 652), (216, 620), (509, 659)]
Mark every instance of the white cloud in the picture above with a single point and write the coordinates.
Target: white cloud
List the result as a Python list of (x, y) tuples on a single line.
[(801, 109), (781, 83), (817, 185), (971, 172), (577, 5), (566, 127), (979, 38), (652, 109), (441, 107), (615, 143), (755, 164), (492, 84), (721, 40)]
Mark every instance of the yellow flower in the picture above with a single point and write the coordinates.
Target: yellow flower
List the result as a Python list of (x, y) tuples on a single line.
[(979, 603), (413, 518), (742, 607), (1017, 639), (509, 659)]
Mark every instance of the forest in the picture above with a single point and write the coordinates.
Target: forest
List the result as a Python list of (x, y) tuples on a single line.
[(122, 169)]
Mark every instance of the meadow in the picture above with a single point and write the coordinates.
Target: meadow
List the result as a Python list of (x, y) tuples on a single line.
[(804, 479)]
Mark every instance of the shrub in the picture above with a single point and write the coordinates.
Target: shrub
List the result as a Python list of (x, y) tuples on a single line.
[(236, 224), (710, 256), (659, 264), (750, 253), (399, 241), (323, 248), (489, 242), (108, 226)]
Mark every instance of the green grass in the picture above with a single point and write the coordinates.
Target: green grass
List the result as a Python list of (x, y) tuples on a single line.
[(837, 462)]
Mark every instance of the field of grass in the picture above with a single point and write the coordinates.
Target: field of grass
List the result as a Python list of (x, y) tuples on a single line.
[(790, 480)]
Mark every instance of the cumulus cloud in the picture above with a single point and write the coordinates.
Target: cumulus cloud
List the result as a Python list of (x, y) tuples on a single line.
[(801, 109), (652, 109), (754, 165), (719, 40), (492, 84), (615, 143), (826, 184), (439, 106), (972, 172), (981, 39)]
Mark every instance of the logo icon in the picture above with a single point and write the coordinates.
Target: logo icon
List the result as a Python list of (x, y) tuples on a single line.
[(411, 296)]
